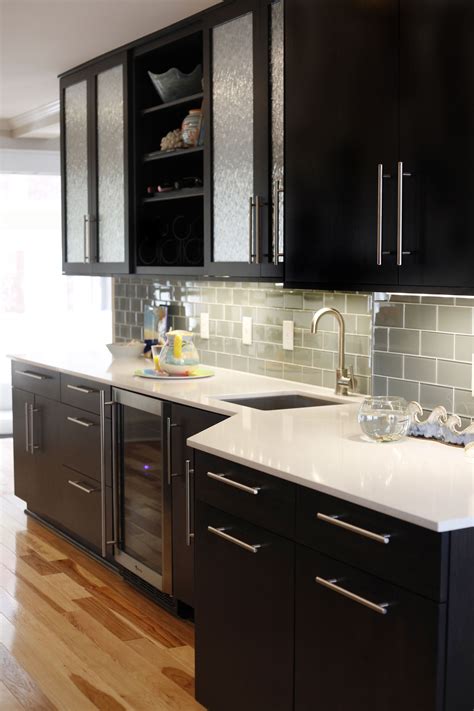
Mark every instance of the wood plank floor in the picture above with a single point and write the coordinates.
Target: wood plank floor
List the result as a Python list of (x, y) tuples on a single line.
[(73, 635)]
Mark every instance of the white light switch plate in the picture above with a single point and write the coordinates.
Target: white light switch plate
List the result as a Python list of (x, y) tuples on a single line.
[(247, 330), (204, 325), (288, 331)]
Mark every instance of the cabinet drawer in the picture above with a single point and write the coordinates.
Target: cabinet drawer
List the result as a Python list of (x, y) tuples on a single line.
[(79, 514), (33, 379), (408, 555), (385, 644), (256, 497), (84, 394), (80, 442)]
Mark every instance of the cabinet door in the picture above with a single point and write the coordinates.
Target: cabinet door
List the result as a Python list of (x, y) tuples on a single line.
[(350, 656), (437, 142), (239, 123), (75, 173), (341, 124), (110, 167), (185, 422), (244, 615), (22, 403)]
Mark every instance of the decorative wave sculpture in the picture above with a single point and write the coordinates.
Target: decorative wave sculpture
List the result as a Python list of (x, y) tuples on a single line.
[(439, 425)]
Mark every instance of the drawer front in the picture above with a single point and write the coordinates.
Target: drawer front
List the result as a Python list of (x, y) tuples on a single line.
[(79, 514), (253, 496), (412, 557), (33, 379), (84, 394), (385, 644), (80, 442)]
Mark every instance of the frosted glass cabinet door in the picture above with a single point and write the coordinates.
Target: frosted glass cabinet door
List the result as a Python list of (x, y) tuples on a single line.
[(110, 166), (277, 130), (233, 137), (76, 171)]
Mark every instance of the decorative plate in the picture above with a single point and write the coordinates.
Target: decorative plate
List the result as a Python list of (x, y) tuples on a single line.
[(154, 375)]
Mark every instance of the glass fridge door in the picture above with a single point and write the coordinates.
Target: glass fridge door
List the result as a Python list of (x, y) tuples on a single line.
[(144, 524)]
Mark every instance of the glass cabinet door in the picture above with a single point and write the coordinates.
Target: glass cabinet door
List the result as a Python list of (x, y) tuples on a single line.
[(276, 21), (233, 140), (76, 175), (110, 225)]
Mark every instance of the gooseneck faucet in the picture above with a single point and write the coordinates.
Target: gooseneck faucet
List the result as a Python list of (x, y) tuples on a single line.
[(345, 381)]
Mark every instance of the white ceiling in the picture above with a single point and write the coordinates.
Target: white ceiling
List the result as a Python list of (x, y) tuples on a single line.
[(39, 39)]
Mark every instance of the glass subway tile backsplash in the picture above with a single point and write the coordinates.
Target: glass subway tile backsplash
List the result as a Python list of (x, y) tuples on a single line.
[(314, 357), (423, 348)]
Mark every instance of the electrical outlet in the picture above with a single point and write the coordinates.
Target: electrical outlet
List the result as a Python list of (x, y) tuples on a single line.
[(204, 325), (247, 330), (288, 331)]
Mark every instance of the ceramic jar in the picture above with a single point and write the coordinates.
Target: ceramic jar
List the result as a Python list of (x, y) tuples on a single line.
[(191, 127), (179, 355)]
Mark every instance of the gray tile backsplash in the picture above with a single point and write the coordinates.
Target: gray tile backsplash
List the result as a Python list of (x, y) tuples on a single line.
[(423, 349), (314, 357), (419, 347)]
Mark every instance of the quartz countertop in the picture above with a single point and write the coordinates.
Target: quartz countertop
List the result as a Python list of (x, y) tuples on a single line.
[(422, 482)]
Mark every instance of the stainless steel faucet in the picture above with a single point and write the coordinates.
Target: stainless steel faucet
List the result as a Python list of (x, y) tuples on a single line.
[(345, 381)]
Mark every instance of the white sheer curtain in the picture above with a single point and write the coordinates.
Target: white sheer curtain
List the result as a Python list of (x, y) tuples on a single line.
[(40, 309)]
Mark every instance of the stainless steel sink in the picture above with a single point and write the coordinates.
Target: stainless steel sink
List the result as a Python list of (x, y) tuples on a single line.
[(280, 402)]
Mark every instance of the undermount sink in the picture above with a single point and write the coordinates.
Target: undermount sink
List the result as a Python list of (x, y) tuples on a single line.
[(280, 402)]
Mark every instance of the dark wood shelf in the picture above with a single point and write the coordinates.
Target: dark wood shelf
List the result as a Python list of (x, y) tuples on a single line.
[(176, 195), (170, 104), (159, 155)]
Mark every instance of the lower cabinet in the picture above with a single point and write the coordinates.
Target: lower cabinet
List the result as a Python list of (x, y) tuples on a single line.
[(364, 644), (244, 615)]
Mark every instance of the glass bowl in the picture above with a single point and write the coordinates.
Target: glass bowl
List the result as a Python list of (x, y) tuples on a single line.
[(384, 419)]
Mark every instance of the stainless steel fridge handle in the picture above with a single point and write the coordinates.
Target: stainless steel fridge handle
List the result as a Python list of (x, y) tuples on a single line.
[(231, 539), (277, 191), (115, 504), (169, 426), (103, 510), (188, 472), (251, 230), (400, 251), (381, 608)]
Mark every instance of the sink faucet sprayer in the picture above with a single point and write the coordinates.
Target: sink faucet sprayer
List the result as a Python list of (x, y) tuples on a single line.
[(345, 381)]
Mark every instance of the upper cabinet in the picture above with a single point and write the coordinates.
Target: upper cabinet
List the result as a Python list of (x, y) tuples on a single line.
[(379, 144), (243, 38), (94, 156)]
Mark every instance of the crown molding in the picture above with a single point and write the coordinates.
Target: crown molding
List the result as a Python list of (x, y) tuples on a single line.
[(40, 122)]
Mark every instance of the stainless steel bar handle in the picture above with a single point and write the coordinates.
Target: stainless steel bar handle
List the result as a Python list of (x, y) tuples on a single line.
[(169, 426), (33, 446), (115, 483), (27, 428), (87, 252), (103, 513), (258, 227), (277, 190), (33, 376), (79, 421), (400, 251), (81, 389), (381, 608), (231, 539), (187, 473), (336, 521), (82, 487), (237, 485), (379, 213), (251, 231)]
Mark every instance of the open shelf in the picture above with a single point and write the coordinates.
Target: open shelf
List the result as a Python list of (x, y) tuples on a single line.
[(172, 104), (176, 195), (159, 155)]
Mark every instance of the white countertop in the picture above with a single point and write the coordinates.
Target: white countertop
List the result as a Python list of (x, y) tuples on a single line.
[(425, 483)]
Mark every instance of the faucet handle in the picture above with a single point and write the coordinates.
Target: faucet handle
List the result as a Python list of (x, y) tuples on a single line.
[(345, 380)]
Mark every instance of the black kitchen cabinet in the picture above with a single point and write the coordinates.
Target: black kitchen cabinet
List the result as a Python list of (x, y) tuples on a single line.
[(244, 615), (379, 153), (185, 422), (22, 404), (94, 168), (244, 152), (349, 656)]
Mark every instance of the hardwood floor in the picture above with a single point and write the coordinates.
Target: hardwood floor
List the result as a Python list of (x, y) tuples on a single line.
[(73, 635)]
